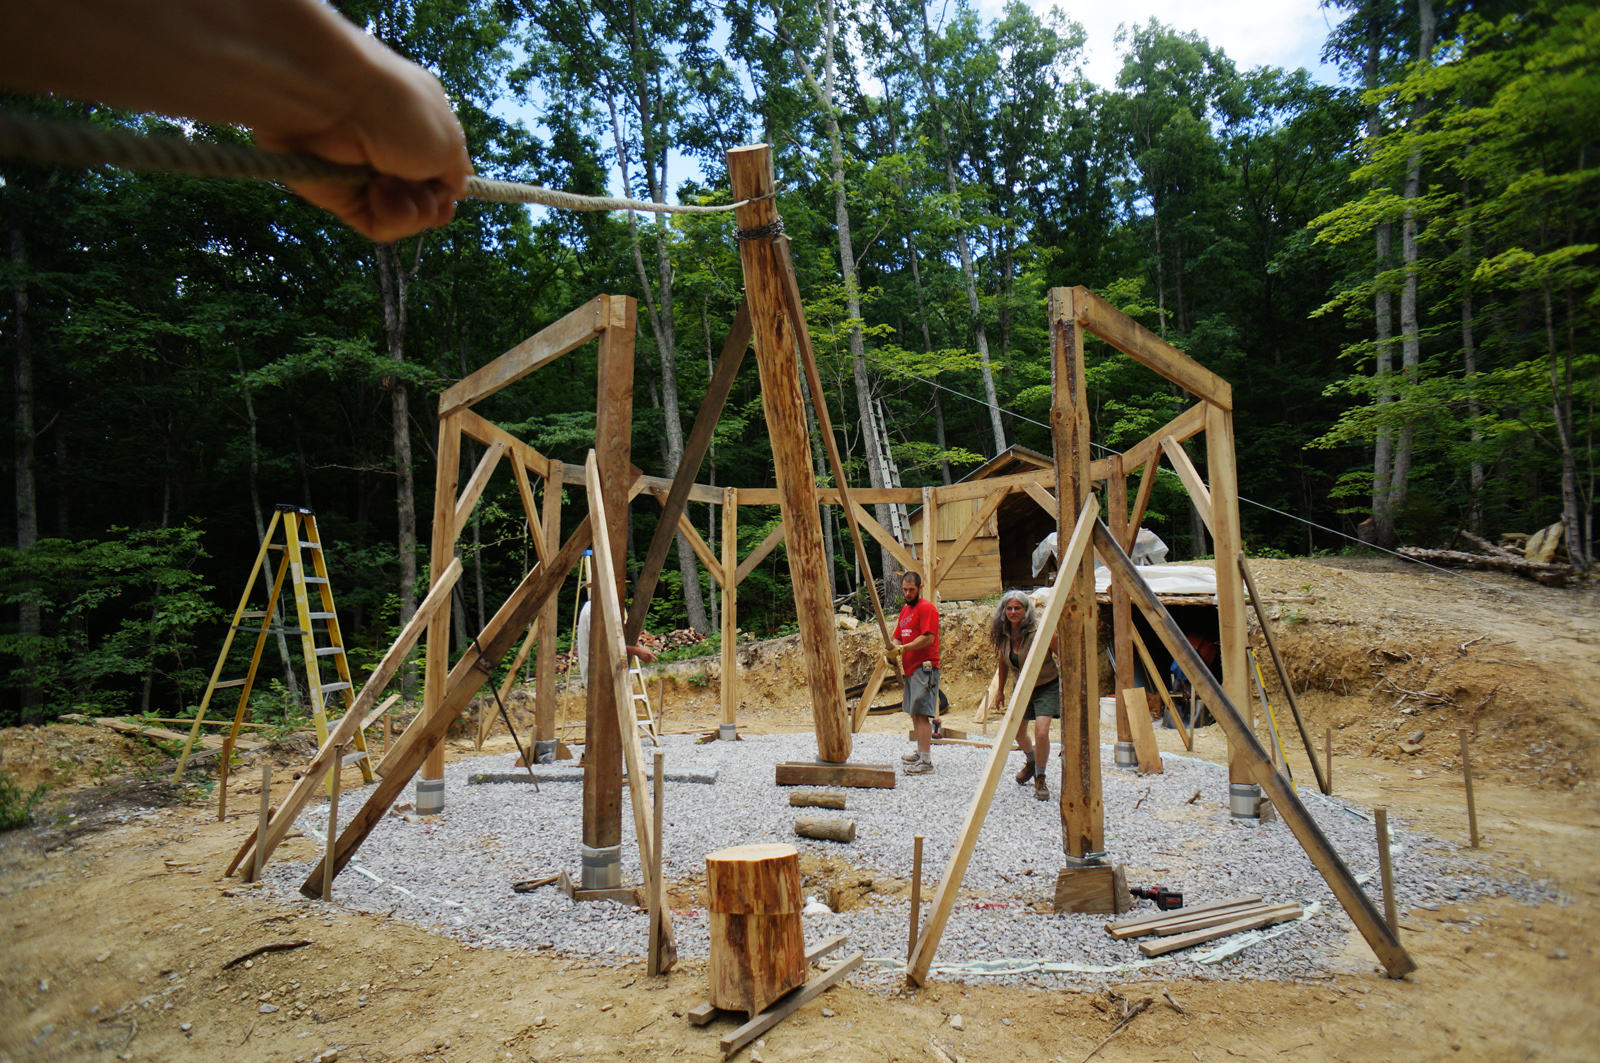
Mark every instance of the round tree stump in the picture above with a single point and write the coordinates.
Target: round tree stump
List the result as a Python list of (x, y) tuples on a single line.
[(758, 949)]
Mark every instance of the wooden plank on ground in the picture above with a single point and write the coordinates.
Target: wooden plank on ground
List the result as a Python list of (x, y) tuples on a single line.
[(1384, 942), (1243, 901), (1204, 922), (859, 776), (1199, 937), (1144, 735), (788, 1004), (944, 898)]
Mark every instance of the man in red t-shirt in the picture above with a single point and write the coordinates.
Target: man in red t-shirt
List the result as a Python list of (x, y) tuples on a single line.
[(917, 640)]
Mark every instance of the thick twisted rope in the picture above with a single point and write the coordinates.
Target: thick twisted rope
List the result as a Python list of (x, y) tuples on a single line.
[(74, 144)]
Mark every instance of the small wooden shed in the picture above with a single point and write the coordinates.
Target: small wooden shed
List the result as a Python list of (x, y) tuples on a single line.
[(1000, 555)]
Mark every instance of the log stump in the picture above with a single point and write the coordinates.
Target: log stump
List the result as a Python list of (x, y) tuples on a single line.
[(758, 949), (824, 829)]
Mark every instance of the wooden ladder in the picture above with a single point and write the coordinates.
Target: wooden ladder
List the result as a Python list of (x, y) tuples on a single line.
[(643, 712), (301, 541)]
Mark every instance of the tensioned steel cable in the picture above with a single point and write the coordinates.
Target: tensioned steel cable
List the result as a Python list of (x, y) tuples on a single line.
[(56, 142)]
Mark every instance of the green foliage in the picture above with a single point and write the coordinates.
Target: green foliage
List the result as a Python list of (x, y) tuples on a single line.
[(16, 806)]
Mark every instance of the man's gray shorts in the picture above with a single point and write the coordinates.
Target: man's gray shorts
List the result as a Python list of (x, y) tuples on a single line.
[(922, 692)]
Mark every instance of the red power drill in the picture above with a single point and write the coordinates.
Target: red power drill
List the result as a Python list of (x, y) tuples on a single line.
[(1165, 899)]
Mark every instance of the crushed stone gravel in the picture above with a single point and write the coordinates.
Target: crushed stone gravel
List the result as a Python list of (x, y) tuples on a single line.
[(453, 872)]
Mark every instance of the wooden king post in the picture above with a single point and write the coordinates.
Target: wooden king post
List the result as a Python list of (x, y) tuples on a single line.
[(750, 171), (1082, 814), (544, 690), (1244, 795), (436, 670), (1122, 617), (602, 750)]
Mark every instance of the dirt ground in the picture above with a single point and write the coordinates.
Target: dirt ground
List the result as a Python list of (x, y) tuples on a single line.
[(117, 924)]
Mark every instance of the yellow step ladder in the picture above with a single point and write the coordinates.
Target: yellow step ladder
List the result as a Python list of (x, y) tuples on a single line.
[(643, 713), (300, 542)]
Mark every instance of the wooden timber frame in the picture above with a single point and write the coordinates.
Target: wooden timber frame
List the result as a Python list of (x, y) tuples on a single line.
[(1072, 312)]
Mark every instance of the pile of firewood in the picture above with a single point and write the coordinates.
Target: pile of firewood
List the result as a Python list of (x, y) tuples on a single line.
[(672, 640), (1540, 556)]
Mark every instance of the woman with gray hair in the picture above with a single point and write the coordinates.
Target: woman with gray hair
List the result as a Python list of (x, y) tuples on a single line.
[(1011, 633)]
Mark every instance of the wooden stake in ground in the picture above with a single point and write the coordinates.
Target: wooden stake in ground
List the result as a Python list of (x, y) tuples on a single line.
[(1327, 749), (1380, 818), (334, 777), (916, 894), (266, 814), (656, 890), (1466, 776)]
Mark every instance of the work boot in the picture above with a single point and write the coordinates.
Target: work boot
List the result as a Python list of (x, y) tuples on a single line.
[(1041, 789), (1026, 773)]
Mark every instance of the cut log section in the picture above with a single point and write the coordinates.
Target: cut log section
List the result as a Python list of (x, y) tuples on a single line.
[(758, 950), (816, 799), (823, 829)]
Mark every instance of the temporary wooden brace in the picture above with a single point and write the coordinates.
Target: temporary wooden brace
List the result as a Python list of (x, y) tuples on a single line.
[(944, 898), (1144, 735), (1160, 686), (476, 664), (1250, 752), (657, 890), (313, 773), (612, 653), (750, 172), (1323, 783), (916, 895)]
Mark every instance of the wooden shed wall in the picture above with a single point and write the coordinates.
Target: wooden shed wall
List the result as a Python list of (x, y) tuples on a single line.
[(976, 573)]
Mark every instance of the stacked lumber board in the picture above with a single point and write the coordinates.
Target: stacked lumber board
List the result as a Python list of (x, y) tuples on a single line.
[(1188, 927)]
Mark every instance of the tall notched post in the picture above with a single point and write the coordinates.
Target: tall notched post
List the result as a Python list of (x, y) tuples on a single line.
[(750, 171), (1082, 814)]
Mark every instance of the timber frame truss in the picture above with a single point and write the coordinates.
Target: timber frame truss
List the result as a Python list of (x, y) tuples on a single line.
[(771, 320)]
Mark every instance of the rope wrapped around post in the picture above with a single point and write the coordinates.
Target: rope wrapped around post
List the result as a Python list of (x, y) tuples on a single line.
[(55, 142)]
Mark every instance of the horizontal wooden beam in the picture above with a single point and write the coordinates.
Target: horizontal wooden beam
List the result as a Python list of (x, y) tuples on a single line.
[(572, 476), (1150, 350), (542, 348), (974, 525)]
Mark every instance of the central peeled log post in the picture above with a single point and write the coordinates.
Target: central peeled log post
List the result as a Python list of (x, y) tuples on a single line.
[(750, 171), (758, 949)]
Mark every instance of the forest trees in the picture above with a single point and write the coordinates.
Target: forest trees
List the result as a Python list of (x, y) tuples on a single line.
[(1496, 162)]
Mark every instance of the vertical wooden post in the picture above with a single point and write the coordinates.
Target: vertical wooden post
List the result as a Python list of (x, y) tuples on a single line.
[(436, 671), (750, 172), (1121, 616), (222, 784), (1380, 817), (729, 729), (1243, 794), (544, 689), (602, 751), (656, 890), (1466, 776), (930, 543), (916, 894), (1082, 815), (266, 813), (336, 778)]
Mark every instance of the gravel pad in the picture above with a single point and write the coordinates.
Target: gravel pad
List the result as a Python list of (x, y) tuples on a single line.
[(453, 872)]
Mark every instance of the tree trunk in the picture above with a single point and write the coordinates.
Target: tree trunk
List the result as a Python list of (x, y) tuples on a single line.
[(1410, 337), (29, 622), (1561, 407), (663, 326), (392, 281), (927, 348), (1469, 366), (276, 620), (1383, 517)]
